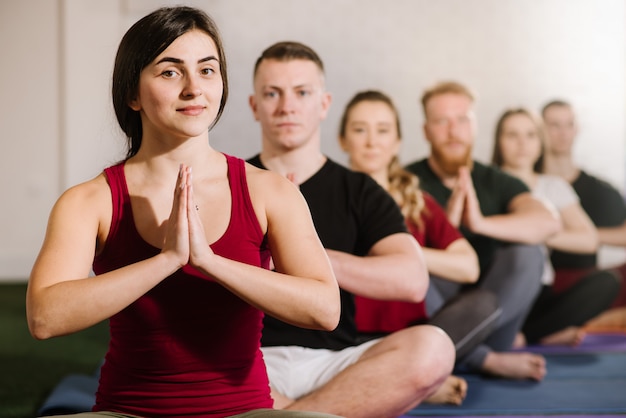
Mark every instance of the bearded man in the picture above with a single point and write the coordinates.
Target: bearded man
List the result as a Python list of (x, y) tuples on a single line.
[(498, 215)]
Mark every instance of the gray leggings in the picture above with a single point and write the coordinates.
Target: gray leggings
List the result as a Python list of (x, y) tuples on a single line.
[(257, 413), (515, 278)]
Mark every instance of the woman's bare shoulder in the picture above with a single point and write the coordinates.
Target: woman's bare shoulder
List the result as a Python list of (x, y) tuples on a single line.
[(90, 194)]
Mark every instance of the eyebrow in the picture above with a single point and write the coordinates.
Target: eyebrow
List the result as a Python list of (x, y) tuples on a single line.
[(282, 88), (179, 61)]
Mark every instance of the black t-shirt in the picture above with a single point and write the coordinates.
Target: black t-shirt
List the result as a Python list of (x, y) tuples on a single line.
[(606, 208), (351, 213), (494, 189)]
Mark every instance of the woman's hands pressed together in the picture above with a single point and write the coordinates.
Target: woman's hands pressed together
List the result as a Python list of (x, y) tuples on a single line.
[(185, 237)]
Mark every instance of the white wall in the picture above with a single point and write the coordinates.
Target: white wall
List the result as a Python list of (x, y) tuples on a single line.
[(30, 101), (58, 127)]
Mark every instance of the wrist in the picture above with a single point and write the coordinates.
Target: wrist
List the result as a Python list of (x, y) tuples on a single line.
[(170, 261)]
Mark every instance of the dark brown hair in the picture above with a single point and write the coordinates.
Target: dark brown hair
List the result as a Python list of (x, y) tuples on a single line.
[(141, 44), (554, 103), (497, 158), (287, 51)]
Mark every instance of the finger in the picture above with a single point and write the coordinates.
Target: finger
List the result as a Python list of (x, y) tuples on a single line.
[(176, 227), (180, 202), (192, 206), (196, 229)]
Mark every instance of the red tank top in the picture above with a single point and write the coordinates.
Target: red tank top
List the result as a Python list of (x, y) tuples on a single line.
[(188, 347)]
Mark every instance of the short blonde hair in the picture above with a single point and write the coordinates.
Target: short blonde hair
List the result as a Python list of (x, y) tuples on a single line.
[(445, 87)]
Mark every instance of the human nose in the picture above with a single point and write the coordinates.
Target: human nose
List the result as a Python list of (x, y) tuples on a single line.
[(192, 87), (286, 103), (452, 127)]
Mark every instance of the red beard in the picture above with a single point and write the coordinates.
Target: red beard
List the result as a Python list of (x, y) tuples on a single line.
[(450, 164)]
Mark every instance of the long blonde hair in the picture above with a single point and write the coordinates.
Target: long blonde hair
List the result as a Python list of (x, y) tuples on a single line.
[(403, 185)]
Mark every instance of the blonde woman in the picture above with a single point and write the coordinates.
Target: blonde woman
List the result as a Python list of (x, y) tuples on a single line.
[(370, 134)]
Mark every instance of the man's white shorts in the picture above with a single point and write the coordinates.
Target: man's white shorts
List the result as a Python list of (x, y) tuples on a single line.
[(296, 371)]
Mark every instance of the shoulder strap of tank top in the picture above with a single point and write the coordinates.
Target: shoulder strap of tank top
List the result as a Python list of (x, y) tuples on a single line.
[(239, 191), (119, 194)]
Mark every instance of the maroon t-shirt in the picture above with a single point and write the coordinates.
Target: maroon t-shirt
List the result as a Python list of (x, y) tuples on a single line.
[(385, 316), (188, 347)]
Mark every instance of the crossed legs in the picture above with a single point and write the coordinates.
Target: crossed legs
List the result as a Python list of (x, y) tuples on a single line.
[(514, 277), (392, 376)]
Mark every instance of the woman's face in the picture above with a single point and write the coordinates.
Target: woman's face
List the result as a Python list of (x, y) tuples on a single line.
[(371, 137), (520, 143), (180, 91)]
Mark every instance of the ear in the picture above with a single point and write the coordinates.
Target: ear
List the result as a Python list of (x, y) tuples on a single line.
[(326, 100), (342, 143), (253, 106), (135, 104), (425, 129)]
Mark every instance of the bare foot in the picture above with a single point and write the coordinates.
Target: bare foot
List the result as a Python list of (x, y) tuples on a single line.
[(569, 336), (280, 400), (613, 320), (452, 391), (519, 341), (515, 365)]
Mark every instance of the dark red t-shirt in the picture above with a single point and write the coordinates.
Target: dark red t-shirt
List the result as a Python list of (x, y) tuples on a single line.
[(384, 316)]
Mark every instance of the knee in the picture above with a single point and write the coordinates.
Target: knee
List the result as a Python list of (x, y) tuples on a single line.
[(605, 281), (482, 302), (430, 355)]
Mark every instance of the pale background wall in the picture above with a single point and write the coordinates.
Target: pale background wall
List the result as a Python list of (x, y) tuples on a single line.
[(58, 129)]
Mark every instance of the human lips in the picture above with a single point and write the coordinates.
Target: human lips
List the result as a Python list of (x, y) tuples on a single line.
[(191, 110), (286, 124)]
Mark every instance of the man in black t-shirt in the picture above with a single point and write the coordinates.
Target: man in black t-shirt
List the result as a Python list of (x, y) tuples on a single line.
[(603, 203), (370, 250)]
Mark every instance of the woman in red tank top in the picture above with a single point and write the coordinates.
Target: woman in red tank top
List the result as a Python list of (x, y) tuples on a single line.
[(180, 260)]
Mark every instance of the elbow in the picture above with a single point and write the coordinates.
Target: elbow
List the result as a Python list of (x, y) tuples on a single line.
[(471, 272), (594, 243), (471, 275), (419, 284), (39, 324), (330, 311), (38, 329), (541, 233), (419, 278), (554, 226), (591, 246), (37, 317), (328, 319)]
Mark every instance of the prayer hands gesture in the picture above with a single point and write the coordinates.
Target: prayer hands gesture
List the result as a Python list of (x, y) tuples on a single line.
[(185, 236), (463, 207)]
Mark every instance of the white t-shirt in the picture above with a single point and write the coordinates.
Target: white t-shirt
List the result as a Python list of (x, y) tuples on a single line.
[(559, 194)]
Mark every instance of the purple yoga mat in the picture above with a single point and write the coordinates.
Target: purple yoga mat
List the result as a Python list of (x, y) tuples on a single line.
[(518, 416), (593, 343)]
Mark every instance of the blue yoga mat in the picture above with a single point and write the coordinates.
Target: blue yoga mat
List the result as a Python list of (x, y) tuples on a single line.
[(579, 383), (75, 393), (588, 380)]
